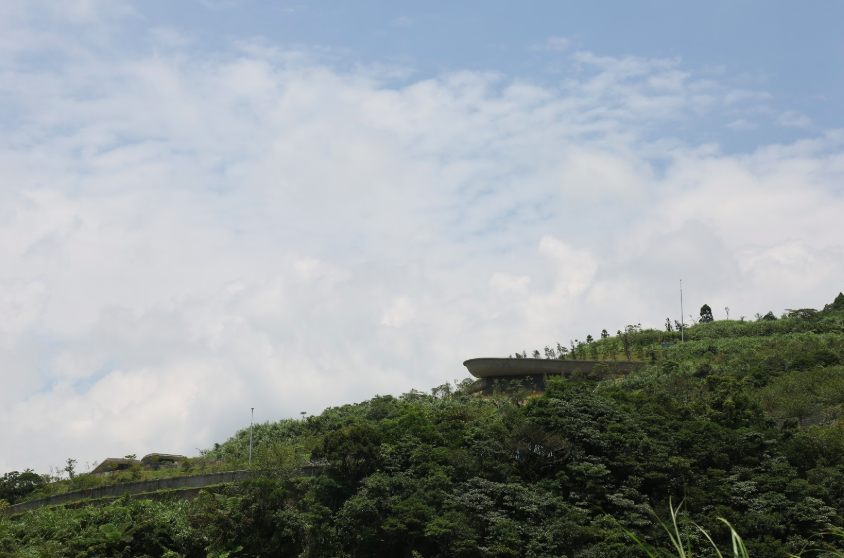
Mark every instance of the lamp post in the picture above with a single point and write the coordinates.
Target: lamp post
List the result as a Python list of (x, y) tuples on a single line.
[(682, 321), (251, 420)]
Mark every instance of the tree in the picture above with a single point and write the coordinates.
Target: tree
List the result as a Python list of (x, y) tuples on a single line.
[(353, 452), (706, 314), (837, 304), (561, 351), (769, 317), (280, 461), (589, 339), (70, 468), (801, 313), (794, 395), (536, 451), (15, 485), (668, 325), (604, 334), (627, 341)]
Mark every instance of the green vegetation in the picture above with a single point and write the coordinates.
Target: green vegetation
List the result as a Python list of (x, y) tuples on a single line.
[(16, 487), (743, 423)]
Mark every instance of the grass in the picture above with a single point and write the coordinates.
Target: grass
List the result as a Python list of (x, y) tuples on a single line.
[(682, 544), (679, 534)]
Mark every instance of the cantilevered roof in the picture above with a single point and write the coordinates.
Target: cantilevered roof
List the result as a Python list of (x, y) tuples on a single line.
[(495, 367)]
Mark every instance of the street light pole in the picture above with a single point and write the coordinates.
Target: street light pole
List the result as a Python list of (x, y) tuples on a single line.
[(251, 420), (682, 321)]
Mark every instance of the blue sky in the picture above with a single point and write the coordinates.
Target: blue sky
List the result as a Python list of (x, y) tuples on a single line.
[(211, 205), (791, 51)]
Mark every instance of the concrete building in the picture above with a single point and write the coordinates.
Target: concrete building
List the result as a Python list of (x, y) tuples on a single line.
[(112, 464), (147, 463)]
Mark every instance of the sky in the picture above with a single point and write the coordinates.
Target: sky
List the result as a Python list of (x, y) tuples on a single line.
[(212, 205)]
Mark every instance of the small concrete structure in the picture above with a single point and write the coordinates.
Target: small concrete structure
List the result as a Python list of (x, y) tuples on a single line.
[(147, 462), (154, 459), (531, 373), (111, 464)]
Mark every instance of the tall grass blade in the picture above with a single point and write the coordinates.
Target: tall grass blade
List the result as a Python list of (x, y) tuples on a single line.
[(676, 537)]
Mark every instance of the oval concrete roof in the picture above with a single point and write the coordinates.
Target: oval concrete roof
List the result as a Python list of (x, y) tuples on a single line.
[(492, 367)]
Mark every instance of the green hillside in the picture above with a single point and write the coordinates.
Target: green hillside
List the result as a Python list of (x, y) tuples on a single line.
[(742, 421)]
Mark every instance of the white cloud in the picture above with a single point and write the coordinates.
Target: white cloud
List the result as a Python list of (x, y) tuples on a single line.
[(507, 283), (21, 305), (553, 44), (168, 37), (742, 95), (87, 11), (591, 175), (576, 268), (399, 312), (787, 262), (793, 119), (741, 125), (187, 236)]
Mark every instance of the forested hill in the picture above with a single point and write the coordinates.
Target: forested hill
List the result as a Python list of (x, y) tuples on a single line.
[(714, 422)]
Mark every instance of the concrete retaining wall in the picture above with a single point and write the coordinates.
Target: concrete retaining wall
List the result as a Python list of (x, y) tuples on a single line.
[(173, 483), (166, 495), (117, 490)]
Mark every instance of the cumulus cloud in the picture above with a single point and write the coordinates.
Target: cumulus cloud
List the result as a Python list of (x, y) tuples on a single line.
[(188, 236)]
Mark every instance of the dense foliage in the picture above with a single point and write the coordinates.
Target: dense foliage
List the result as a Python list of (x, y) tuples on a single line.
[(16, 486), (720, 422)]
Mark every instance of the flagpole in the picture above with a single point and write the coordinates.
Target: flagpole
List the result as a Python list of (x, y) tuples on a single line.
[(251, 420), (682, 320)]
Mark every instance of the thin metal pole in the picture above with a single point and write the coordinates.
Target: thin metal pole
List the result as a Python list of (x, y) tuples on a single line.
[(682, 320), (251, 420)]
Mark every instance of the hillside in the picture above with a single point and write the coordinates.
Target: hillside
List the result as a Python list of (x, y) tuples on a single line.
[(743, 421)]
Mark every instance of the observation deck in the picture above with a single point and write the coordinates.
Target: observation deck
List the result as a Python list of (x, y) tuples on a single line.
[(497, 373)]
